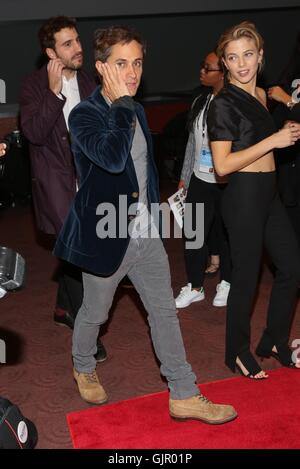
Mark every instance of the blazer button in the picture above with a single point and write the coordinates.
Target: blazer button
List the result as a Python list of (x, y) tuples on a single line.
[(135, 195)]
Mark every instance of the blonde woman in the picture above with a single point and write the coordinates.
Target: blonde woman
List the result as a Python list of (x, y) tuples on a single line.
[(243, 137)]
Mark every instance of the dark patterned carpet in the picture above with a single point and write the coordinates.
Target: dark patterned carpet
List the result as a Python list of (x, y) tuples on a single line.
[(38, 372)]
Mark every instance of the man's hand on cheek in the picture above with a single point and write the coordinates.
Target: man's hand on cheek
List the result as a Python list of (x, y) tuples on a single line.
[(113, 84)]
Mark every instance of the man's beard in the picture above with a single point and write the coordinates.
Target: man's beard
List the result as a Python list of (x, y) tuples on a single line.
[(70, 65)]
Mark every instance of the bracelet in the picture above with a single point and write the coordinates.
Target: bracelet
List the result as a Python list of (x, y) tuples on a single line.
[(290, 105)]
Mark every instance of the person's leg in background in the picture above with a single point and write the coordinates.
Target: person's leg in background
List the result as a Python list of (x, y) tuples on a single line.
[(69, 294), (282, 246), (294, 215), (213, 251), (223, 287), (199, 192)]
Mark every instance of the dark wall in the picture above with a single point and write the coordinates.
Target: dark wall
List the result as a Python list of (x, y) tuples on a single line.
[(11, 10), (176, 45)]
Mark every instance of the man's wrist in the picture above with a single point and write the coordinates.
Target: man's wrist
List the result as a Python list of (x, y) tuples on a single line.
[(125, 101), (57, 92), (290, 104)]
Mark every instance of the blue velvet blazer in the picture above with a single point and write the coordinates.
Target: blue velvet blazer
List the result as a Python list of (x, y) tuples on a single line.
[(101, 142)]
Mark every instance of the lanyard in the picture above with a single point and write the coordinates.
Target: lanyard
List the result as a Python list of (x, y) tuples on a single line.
[(205, 112)]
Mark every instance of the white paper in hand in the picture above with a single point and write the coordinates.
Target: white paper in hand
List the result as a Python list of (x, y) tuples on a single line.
[(177, 202)]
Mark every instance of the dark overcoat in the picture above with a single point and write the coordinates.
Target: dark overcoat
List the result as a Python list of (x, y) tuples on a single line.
[(51, 159)]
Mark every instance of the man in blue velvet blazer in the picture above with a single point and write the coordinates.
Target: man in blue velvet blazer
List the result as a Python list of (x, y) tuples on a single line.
[(101, 136), (110, 232)]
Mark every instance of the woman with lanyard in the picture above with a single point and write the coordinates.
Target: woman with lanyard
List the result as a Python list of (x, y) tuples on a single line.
[(204, 186), (243, 137)]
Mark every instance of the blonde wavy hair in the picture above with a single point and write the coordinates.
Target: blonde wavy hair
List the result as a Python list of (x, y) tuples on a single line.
[(244, 29)]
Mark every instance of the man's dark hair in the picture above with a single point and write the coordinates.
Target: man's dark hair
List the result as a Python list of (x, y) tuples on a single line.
[(52, 26), (105, 39)]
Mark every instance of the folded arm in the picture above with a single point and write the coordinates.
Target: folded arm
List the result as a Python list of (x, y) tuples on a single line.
[(226, 161)]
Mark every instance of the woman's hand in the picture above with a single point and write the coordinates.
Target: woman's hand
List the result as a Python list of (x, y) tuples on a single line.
[(287, 136), (181, 184)]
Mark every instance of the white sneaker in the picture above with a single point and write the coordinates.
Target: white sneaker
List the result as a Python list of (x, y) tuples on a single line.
[(187, 296), (222, 294)]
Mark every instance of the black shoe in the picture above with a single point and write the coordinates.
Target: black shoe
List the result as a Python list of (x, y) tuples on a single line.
[(283, 355), (64, 319), (101, 354), (250, 365)]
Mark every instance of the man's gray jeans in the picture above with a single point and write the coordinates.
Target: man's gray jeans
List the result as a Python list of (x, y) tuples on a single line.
[(146, 264)]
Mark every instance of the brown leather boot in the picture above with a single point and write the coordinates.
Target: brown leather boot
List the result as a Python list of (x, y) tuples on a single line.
[(90, 388), (200, 408)]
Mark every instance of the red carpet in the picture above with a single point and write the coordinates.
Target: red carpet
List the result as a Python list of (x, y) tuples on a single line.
[(269, 417)]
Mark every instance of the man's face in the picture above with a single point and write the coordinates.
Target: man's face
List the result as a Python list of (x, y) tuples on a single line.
[(67, 48), (129, 59)]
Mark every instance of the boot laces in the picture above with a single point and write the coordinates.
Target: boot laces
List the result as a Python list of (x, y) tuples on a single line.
[(91, 377), (204, 399)]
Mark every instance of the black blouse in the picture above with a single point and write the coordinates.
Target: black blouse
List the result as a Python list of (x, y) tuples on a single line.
[(237, 116)]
